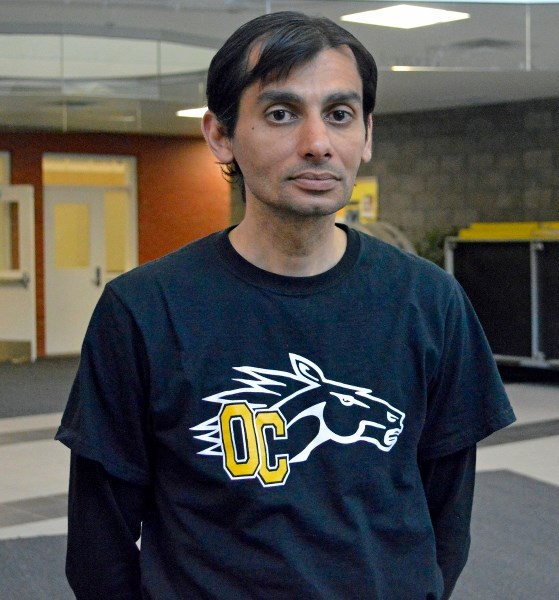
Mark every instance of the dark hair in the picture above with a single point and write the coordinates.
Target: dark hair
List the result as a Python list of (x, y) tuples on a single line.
[(289, 39)]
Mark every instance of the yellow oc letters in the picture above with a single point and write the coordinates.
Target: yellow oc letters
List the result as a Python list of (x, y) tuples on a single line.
[(245, 450)]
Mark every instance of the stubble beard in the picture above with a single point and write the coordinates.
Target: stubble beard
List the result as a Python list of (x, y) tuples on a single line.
[(299, 205)]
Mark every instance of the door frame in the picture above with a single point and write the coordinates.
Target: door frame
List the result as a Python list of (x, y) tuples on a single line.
[(131, 188), (18, 320)]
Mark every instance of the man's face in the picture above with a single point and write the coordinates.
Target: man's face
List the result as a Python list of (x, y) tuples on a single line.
[(299, 141)]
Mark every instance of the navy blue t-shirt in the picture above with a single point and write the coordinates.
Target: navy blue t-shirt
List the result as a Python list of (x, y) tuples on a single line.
[(280, 421)]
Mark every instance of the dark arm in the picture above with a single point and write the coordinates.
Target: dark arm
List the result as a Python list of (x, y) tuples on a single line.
[(449, 487), (104, 522)]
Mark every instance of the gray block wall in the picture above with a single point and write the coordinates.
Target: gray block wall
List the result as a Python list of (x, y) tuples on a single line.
[(443, 169)]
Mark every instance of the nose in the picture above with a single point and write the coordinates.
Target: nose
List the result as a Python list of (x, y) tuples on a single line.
[(314, 139)]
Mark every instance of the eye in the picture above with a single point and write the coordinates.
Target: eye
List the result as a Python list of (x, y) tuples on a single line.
[(348, 400), (391, 417), (280, 115), (339, 115)]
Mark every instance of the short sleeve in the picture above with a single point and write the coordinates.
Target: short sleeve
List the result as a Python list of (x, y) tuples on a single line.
[(107, 416), (467, 400)]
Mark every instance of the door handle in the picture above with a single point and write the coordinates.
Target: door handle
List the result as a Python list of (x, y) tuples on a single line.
[(97, 278)]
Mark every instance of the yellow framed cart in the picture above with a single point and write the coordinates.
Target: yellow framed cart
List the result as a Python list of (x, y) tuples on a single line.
[(510, 272)]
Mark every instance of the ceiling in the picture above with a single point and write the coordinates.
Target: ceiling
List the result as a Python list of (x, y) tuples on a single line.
[(66, 78)]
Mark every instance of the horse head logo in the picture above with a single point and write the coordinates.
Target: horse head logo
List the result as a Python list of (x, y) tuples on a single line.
[(269, 406), (347, 414)]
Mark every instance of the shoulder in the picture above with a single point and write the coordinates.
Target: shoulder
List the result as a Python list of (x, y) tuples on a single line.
[(379, 250), (399, 270), (191, 263)]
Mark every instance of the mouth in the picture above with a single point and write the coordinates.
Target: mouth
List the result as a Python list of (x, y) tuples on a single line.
[(391, 436), (315, 181)]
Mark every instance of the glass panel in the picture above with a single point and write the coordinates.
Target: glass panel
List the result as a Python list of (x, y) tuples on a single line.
[(4, 168), (28, 56), (117, 210), (9, 236), (182, 58), (71, 236), (87, 57)]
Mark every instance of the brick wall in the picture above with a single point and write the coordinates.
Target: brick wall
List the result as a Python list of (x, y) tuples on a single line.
[(450, 168)]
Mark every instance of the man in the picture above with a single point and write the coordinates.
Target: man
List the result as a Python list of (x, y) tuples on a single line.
[(286, 409)]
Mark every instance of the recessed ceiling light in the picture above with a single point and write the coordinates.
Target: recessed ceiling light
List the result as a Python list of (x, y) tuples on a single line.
[(405, 16), (193, 113)]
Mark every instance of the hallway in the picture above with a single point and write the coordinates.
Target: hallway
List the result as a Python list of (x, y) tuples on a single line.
[(515, 548)]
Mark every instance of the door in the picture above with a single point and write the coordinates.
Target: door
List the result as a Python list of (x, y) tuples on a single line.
[(17, 273), (74, 263)]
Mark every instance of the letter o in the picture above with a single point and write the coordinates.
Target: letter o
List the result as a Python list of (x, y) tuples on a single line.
[(235, 466)]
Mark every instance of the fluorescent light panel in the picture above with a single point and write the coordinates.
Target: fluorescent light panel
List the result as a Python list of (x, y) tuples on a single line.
[(193, 113), (405, 16)]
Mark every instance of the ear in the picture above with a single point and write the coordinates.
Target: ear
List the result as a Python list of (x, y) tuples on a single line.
[(305, 368), (368, 149), (219, 143)]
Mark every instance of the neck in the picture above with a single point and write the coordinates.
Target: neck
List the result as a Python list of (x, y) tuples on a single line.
[(292, 246)]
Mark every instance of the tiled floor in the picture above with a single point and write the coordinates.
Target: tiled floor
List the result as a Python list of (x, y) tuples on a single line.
[(536, 456), (34, 476), (34, 468)]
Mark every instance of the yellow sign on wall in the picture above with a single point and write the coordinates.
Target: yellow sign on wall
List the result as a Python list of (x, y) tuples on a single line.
[(363, 205)]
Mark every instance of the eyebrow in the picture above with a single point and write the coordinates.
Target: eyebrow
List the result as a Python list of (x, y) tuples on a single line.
[(286, 97)]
